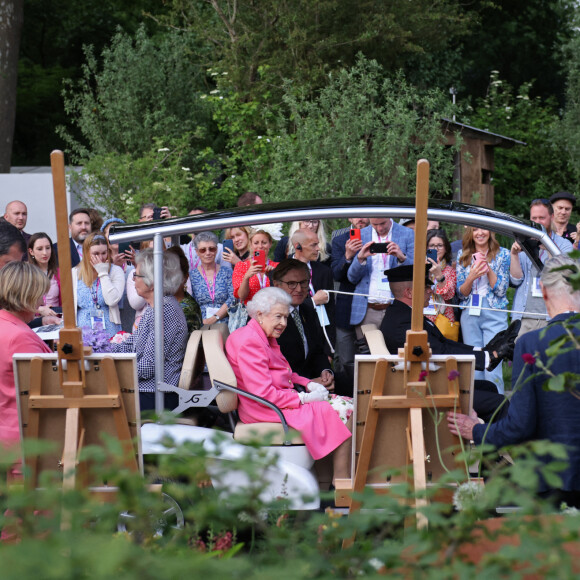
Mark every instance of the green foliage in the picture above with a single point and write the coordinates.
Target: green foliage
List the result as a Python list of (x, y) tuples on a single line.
[(522, 173), (571, 117), (363, 134), (144, 88)]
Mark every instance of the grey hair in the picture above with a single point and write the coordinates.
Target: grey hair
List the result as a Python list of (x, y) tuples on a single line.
[(172, 274), (204, 237), (555, 279), (265, 299)]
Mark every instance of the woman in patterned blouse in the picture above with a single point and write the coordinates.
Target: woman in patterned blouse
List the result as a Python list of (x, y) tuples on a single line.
[(211, 284), (248, 277), (483, 271), (142, 341), (442, 273)]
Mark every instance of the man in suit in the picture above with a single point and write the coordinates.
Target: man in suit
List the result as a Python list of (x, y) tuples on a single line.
[(367, 268), (79, 227), (16, 213), (302, 341), (535, 412), (397, 322), (307, 250)]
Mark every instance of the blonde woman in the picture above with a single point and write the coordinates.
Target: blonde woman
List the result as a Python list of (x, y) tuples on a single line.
[(98, 287)]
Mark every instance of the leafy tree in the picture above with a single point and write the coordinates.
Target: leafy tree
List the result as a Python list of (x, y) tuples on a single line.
[(363, 134), (144, 97), (522, 173)]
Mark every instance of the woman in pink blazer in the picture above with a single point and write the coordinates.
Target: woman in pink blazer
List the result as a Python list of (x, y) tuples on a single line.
[(22, 287), (262, 370)]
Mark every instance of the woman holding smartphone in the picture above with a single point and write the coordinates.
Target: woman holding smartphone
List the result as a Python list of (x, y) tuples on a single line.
[(41, 255), (240, 241), (483, 269), (251, 275)]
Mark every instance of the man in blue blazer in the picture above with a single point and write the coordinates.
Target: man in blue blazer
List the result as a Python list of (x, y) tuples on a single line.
[(536, 413), (367, 269)]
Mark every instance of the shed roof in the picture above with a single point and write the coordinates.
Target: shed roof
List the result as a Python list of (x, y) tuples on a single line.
[(493, 138)]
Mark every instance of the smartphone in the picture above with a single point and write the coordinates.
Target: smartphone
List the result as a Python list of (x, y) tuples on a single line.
[(432, 253), (354, 234), (125, 247), (379, 248), (260, 258), (228, 245), (156, 213)]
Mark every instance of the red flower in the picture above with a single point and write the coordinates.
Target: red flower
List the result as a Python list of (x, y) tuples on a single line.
[(528, 358), (423, 375), (453, 374)]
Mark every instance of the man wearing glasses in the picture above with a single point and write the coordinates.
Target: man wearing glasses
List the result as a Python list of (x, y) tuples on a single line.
[(302, 342), (526, 277)]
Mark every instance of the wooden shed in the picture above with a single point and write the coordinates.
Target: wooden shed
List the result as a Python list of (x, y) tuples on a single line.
[(474, 165)]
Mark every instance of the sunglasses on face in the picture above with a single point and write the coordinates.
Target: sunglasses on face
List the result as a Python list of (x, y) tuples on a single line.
[(204, 250)]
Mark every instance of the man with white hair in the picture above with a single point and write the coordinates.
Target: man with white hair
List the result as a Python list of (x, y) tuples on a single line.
[(537, 413)]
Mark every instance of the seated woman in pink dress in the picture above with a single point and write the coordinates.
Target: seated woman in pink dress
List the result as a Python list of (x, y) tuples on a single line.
[(22, 287), (41, 254), (262, 370)]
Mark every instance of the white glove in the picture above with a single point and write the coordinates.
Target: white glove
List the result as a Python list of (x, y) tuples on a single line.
[(312, 386), (102, 268), (314, 396)]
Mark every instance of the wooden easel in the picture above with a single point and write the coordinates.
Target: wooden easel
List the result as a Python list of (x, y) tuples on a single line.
[(69, 411), (415, 395)]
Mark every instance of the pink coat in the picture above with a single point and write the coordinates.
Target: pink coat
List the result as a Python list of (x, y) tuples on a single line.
[(16, 337), (262, 370)]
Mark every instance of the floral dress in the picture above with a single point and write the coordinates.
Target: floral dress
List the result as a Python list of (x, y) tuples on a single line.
[(86, 303), (443, 295), (222, 294)]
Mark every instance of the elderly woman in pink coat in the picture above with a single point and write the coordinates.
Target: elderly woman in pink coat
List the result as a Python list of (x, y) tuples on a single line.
[(262, 370)]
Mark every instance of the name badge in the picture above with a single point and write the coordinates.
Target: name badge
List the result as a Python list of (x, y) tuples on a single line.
[(430, 310), (97, 319), (475, 305), (536, 290)]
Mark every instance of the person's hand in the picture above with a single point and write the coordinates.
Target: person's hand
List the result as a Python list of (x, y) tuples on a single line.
[(393, 249), (102, 268), (351, 248), (269, 268), (254, 269), (46, 311), (501, 346), (230, 256), (209, 321), (462, 425), (46, 320), (130, 255), (478, 269), (365, 252), (315, 396), (515, 249), (120, 259), (436, 270), (325, 379), (314, 385), (321, 297), (97, 260), (165, 213)]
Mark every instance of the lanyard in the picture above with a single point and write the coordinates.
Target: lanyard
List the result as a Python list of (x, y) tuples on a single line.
[(385, 257), (262, 278), (210, 287), (310, 284), (95, 294)]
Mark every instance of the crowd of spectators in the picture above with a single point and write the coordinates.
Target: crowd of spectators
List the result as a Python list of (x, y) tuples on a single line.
[(209, 276)]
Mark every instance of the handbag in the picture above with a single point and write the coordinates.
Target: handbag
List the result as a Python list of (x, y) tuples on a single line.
[(447, 328), (237, 316)]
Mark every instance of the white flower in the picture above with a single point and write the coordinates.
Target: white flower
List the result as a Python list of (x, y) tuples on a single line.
[(221, 98), (214, 74), (186, 169), (162, 150), (203, 97), (376, 564), (259, 136), (268, 140), (467, 495), (214, 92), (224, 73)]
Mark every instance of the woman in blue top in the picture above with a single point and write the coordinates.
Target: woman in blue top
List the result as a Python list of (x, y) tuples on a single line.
[(483, 269), (98, 287), (211, 285)]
